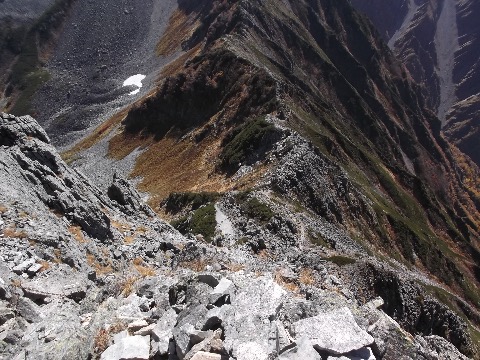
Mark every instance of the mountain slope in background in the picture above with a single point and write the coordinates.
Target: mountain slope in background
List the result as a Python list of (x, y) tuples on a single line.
[(317, 68), (438, 42), (285, 130)]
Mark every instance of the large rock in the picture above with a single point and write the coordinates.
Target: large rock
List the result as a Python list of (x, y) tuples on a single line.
[(162, 332), (335, 332), (14, 128), (128, 348), (127, 196), (247, 320), (303, 350), (29, 310)]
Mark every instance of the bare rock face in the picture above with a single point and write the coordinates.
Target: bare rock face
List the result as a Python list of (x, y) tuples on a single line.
[(60, 188)]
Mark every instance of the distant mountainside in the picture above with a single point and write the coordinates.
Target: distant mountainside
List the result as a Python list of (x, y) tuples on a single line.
[(277, 130), (439, 43)]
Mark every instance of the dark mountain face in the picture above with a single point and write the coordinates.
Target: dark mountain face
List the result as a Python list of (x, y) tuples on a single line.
[(438, 42), (298, 103)]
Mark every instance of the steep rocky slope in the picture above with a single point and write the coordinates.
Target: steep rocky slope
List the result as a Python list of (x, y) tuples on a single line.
[(438, 42), (87, 276), (339, 88), (282, 139)]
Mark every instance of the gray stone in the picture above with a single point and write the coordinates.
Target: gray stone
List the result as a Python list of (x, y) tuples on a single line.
[(182, 336), (4, 293), (208, 279), (436, 348), (28, 310), (137, 325), (335, 332), (121, 335), (128, 348), (210, 342), (75, 292), (390, 338), (147, 330), (303, 350), (162, 332), (224, 287), (202, 355), (125, 194), (5, 315), (22, 267), (35, 268), (279, 338)]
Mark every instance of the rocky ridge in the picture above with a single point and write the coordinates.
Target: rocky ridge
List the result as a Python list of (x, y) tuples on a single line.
[(128, 286)]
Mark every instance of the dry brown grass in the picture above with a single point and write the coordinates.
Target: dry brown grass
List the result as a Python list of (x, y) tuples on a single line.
[(16, 283), (180, 27), (12, 232), (99, 268), (45, 265), (197, 265), (264, 254), (170, 165), (235, 267), (143, 269), (77, 233), (98, 134), (127, 286), (285, 283), (306, 277), (177, 65), (129, 240), (57, 256), (142, 229), (101, 341), (121, 226)]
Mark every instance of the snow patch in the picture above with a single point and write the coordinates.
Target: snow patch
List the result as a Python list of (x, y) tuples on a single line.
[(135, 80)]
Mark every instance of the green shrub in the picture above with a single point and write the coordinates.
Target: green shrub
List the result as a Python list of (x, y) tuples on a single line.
[(202, 221), (247, 141), (179, 201), (257, 210), (341, 260)]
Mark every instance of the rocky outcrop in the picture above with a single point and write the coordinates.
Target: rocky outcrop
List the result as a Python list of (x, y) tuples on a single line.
[(125, 194), (61, 189)]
